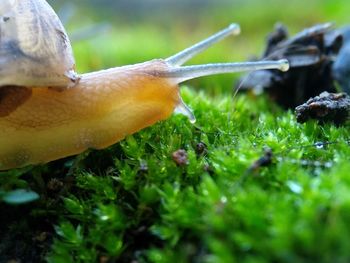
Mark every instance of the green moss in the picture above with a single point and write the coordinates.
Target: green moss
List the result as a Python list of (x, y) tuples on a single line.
[(141, 205)]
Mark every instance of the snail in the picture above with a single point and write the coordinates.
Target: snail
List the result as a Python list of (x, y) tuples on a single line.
[(48, 111)]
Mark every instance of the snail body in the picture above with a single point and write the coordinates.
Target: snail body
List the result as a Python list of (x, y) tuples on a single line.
[(51, 124), (39, 123)]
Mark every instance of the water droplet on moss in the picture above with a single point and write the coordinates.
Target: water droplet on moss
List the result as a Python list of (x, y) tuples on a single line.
[(295, 187), (223, 199), (319, 145)]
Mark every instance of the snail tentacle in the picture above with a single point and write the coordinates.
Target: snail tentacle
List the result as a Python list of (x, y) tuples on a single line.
[(184, 73), (185, 55)]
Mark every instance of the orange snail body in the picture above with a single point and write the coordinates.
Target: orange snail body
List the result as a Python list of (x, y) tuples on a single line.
[(38, 125), (48, 112)]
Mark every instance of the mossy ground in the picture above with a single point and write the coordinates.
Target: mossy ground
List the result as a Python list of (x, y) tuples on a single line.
[(133, 203)]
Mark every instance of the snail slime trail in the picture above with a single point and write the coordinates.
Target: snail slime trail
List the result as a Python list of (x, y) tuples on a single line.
[(39, 123)]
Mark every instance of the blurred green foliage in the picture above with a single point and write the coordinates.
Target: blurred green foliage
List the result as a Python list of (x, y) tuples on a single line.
[(133, 202)]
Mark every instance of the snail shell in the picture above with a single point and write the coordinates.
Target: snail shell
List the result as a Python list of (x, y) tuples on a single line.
[(34, 47)]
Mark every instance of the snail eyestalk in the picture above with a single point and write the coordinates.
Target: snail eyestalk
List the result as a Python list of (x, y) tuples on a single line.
[(185, 55), (184, 73)]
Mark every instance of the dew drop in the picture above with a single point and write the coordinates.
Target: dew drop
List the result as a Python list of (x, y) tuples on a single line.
[(294, 187), (319, 145), (317, 163), (328, 164), (104, 217), (304, 162), (223, 199)]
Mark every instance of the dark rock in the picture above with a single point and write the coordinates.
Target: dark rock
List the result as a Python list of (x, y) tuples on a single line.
[(327, 107), (310, 53), (201, 148), (263, 161), (180, 157)]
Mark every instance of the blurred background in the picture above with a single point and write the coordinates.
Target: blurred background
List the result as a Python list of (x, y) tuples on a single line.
[(107, 33)]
